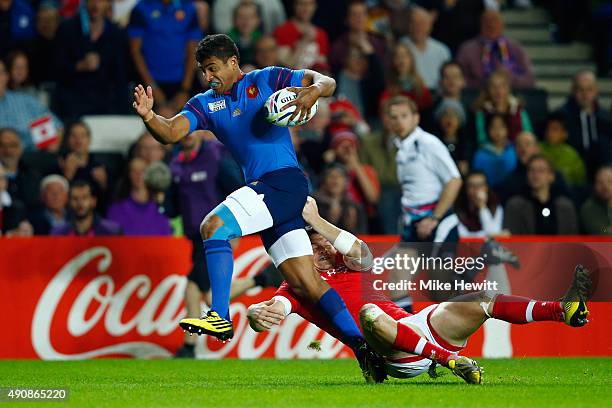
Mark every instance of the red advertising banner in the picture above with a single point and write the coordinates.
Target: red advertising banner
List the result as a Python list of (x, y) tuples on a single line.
[(80, 298)]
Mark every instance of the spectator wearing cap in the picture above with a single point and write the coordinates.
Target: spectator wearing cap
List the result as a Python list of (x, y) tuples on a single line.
[(90, 63), (301, 43), (491, 51), (13, 220), (588, 124), (334, 201), (26, 115), (496, 158), (246, 31), (450, 125), (163, 35), (540, 210), (497, 98), (17, 24), (429, 54), (272, 14), (565, 158), (83, 220), (23, 181), (356, 36), (596, 212), (54, 197), (404, 79), (363, 184), (135, 210)]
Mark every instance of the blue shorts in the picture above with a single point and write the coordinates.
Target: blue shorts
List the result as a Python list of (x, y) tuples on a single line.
[(284, 193)]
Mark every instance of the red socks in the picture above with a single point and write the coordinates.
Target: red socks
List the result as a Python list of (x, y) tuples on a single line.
[(409, 341), (521, 310)]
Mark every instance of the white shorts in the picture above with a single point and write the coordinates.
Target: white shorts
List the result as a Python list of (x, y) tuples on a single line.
[(405, 365)]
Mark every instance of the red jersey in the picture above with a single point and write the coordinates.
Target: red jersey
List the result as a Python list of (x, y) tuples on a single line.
[(354, 287)]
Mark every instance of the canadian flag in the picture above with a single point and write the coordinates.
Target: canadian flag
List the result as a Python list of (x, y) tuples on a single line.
[(43, 132)]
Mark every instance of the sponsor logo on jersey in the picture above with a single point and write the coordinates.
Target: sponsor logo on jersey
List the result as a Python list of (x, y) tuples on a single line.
[(216, 106), (236, 112), (252, 91)]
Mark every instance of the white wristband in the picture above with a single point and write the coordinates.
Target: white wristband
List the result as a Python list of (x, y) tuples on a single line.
[(344, 242), (286, 303)]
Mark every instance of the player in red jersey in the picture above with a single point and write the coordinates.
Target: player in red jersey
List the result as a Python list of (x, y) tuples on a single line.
[(410, 343)]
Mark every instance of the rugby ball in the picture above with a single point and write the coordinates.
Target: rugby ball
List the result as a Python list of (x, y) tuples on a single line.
[(279, 117)]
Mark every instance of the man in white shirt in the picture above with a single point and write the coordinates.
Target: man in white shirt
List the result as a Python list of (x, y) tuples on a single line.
[(428, 175), (429, 54)]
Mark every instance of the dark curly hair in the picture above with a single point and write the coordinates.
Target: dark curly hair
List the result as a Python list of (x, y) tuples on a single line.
[(216, 45)]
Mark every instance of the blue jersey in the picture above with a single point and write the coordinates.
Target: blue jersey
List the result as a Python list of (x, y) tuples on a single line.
[(238, 120)]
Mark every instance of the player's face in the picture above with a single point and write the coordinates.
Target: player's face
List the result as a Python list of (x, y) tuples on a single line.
[(82, 202), (402, 120), (324, 252), (220, 75)]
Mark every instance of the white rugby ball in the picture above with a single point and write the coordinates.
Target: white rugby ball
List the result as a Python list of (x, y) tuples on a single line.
[(279, 117)]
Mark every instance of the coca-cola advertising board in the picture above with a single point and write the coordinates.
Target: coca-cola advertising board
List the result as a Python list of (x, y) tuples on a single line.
[(81, 298)]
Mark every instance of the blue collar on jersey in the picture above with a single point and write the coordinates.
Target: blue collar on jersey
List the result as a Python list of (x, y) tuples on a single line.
[(234, 89)]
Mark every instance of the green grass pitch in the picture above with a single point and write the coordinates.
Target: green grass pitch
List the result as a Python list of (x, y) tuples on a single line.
[(316, 383)]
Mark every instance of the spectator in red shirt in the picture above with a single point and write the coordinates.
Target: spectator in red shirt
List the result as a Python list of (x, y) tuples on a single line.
[(302, 44)]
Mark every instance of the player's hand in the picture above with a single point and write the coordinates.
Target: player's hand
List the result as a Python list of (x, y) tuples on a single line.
[(262, 316), (306, 97), (310, 211), (425, 227), (143, 101)]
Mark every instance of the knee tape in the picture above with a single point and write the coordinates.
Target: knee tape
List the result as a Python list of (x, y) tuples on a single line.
[(230, 228)]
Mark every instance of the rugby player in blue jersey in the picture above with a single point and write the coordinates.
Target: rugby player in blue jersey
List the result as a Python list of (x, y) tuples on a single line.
[(271, 203)]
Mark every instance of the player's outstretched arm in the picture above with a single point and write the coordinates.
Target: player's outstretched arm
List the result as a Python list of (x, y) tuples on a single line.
[(355, 251), (164, 130), (262, 316)]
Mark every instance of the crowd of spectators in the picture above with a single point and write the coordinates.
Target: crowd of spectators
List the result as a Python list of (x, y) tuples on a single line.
[(524, 172)]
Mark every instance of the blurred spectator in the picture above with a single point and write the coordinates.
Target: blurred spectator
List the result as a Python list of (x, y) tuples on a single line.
[(13, 222), (302, 44), (84, 221), (379, 151), (135, 210), (457, 21), (429, 54), (148, 149), (163, 36), (78, 164), (42, 48), (266, 52), (497, 99), (451, 86), (361, 80), (18, 68), (540, 211), (297, 140), (356, 35), (588, 124), (23, 181), (403, 79), (314, 137), (90, 63), (334, 202), (478, 208), (17, 24), (246, 31), (27, 116), (363, 187), (388, 18), (492, 51), (272, 14), (497, 158), (451, 128), (564, 157), (596, 212), (54, 197)]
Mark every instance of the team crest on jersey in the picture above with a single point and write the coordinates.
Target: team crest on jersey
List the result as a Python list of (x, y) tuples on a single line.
[(252, 91), (216, 106)]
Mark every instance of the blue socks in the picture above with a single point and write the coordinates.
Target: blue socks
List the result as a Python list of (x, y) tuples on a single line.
[(220, 264), (335, 309)]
